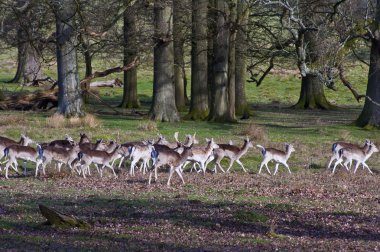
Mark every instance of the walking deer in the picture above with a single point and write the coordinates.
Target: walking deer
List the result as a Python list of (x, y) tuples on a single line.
[(171, 158), (279, 156)]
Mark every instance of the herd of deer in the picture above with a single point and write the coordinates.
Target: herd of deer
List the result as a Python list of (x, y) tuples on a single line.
[(177, 155)]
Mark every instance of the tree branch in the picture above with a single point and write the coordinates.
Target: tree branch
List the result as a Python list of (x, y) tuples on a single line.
[(348, 84)]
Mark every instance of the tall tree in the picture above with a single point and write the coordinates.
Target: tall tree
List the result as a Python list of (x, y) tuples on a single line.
[(130, 98), (24, 18), (220, 106), (179, 37), (241, 105), (370, 115), (199, 87), (70, 102), (163, 106), (233, 24)]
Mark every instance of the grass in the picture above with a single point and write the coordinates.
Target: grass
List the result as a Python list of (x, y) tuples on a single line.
[(306, 210)]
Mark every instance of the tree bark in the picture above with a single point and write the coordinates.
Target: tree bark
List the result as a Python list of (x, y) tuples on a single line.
[(70, 102), (28, 64), (312, 94), (163, 106), (88, 61), (232, 59), (220, 104), (370, 115), (130, 96), (211, 31), (199, 89), (179, 62), (241, 105)]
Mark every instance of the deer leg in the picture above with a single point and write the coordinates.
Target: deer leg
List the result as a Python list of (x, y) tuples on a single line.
[(241, 164), (24, 168), (132, 171), (276, 169), (113, 170), (170, 174), (180, 174), (287, 166), (364, 164), (356, 166), (231, 163), (339, 161), (331, 160)]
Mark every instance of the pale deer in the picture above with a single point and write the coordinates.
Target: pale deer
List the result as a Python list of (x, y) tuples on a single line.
[(232, 152), (60, 156), (171, 158), (359, 155), (97, 157), (202, 154), (279, 156), (340, 145), (26, 153)]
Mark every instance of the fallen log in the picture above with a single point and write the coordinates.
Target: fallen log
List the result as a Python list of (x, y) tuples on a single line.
[(38, 100), (58, 219), (108, 83)]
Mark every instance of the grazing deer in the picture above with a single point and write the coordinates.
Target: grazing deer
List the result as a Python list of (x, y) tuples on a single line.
[(59, 155), (359, 155), (97, 157), (25, 153), (140, 152), (232, 152), (201, 155), (280, 157), (340, 145), (171, 158)]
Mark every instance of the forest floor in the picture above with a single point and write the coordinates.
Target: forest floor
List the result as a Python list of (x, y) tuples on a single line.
[(309, 209)]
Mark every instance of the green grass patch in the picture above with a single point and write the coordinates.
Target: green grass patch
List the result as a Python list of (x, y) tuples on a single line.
[(251, 216)]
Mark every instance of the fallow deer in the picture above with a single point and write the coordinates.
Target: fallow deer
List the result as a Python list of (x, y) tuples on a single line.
[(280, 157), (171, 158), (359, 155)]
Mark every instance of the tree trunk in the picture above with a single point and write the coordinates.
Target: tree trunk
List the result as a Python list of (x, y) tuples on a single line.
[(179, 62), (211, 31), (220, 104), (88, 62), (130, 97), (312, 94), (370, 115), (241, 105), (199, 90), (70, 102), (232, 59), (21, 59), (163, 106)]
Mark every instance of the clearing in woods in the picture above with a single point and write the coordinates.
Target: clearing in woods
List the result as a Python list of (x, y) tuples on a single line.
[(307, 210)]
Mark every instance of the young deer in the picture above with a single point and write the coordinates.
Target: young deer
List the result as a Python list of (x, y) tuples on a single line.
[(340, 145), (171, 158), (201, 155), (59, 155), (140, 152), (280, 157), (25, 153), (97, 157), (6, 142), (359, 155), (232, 152)]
